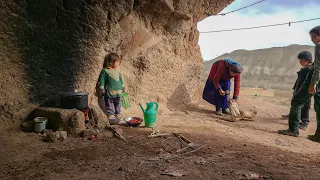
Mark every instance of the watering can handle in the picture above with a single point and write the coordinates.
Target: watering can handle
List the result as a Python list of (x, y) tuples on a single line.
[(157, 106)]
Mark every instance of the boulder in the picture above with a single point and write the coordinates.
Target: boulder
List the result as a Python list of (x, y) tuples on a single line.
[(99, 117)]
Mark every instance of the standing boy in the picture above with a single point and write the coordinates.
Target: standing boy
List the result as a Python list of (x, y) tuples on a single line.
[(305, 59), (309, 88)]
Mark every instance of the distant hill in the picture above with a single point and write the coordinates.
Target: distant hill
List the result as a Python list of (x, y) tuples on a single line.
[(267, 68)]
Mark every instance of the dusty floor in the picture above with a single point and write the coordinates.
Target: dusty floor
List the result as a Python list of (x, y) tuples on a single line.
[(231, 150)]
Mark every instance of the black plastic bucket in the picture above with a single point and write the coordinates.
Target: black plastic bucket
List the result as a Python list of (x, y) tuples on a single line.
[(71, 100)]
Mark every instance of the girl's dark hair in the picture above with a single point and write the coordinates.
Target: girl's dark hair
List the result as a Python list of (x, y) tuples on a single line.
[(315, 30), (111, 59), (305, 55)]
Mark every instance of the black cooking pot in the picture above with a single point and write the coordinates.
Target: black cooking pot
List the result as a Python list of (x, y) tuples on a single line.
[(71, 100)]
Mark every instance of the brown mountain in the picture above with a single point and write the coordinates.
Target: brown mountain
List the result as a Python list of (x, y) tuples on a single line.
[(267, 68)]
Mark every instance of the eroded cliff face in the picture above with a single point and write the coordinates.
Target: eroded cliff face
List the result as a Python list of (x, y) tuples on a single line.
[(52, 46)]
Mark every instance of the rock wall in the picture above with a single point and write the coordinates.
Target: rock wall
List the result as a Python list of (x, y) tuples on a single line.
[(52, 46)]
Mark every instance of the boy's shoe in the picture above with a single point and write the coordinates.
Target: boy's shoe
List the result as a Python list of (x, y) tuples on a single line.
[(303, 126), (219, 112), (314, 138), (118, 116), (111, 116), (226, 111), (289, 133)]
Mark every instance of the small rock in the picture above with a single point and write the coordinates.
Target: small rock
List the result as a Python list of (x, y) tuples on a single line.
[(47, 131), (62, 135), (266, 177), (28, 124), (174, 173), (283, 143), (87, 133), (251, 176), (200, 162), (51, 136), (105, 135)]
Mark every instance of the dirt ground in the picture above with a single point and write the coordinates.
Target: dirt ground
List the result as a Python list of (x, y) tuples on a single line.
[(230, 150)]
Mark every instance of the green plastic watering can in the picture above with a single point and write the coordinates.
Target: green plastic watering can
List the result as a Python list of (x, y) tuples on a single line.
[(150, 114)]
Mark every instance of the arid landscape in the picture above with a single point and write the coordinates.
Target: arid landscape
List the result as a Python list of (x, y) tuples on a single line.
[(227, 150), (50, 48), (271, 68)]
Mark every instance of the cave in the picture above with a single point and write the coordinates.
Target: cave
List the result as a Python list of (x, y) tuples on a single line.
[(49, 47)]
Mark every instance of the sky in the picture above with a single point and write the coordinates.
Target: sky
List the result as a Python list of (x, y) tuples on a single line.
[(264, 13)]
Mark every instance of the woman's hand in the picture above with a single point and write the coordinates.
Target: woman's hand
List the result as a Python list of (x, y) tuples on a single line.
[(222, 92)]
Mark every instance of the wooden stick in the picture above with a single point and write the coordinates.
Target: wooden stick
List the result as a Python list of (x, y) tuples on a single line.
[(118, 135), (184, 141), (185, 153), (179, 150), (182, 138), (160, 135), (194, 150)]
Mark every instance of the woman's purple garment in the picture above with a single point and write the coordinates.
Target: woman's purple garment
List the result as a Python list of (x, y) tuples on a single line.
[(212, 95)]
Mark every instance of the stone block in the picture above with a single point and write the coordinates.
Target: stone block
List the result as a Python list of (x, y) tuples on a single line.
[(70, 120)]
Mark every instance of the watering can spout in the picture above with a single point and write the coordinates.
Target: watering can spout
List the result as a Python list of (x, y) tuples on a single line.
[(143, 110)]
